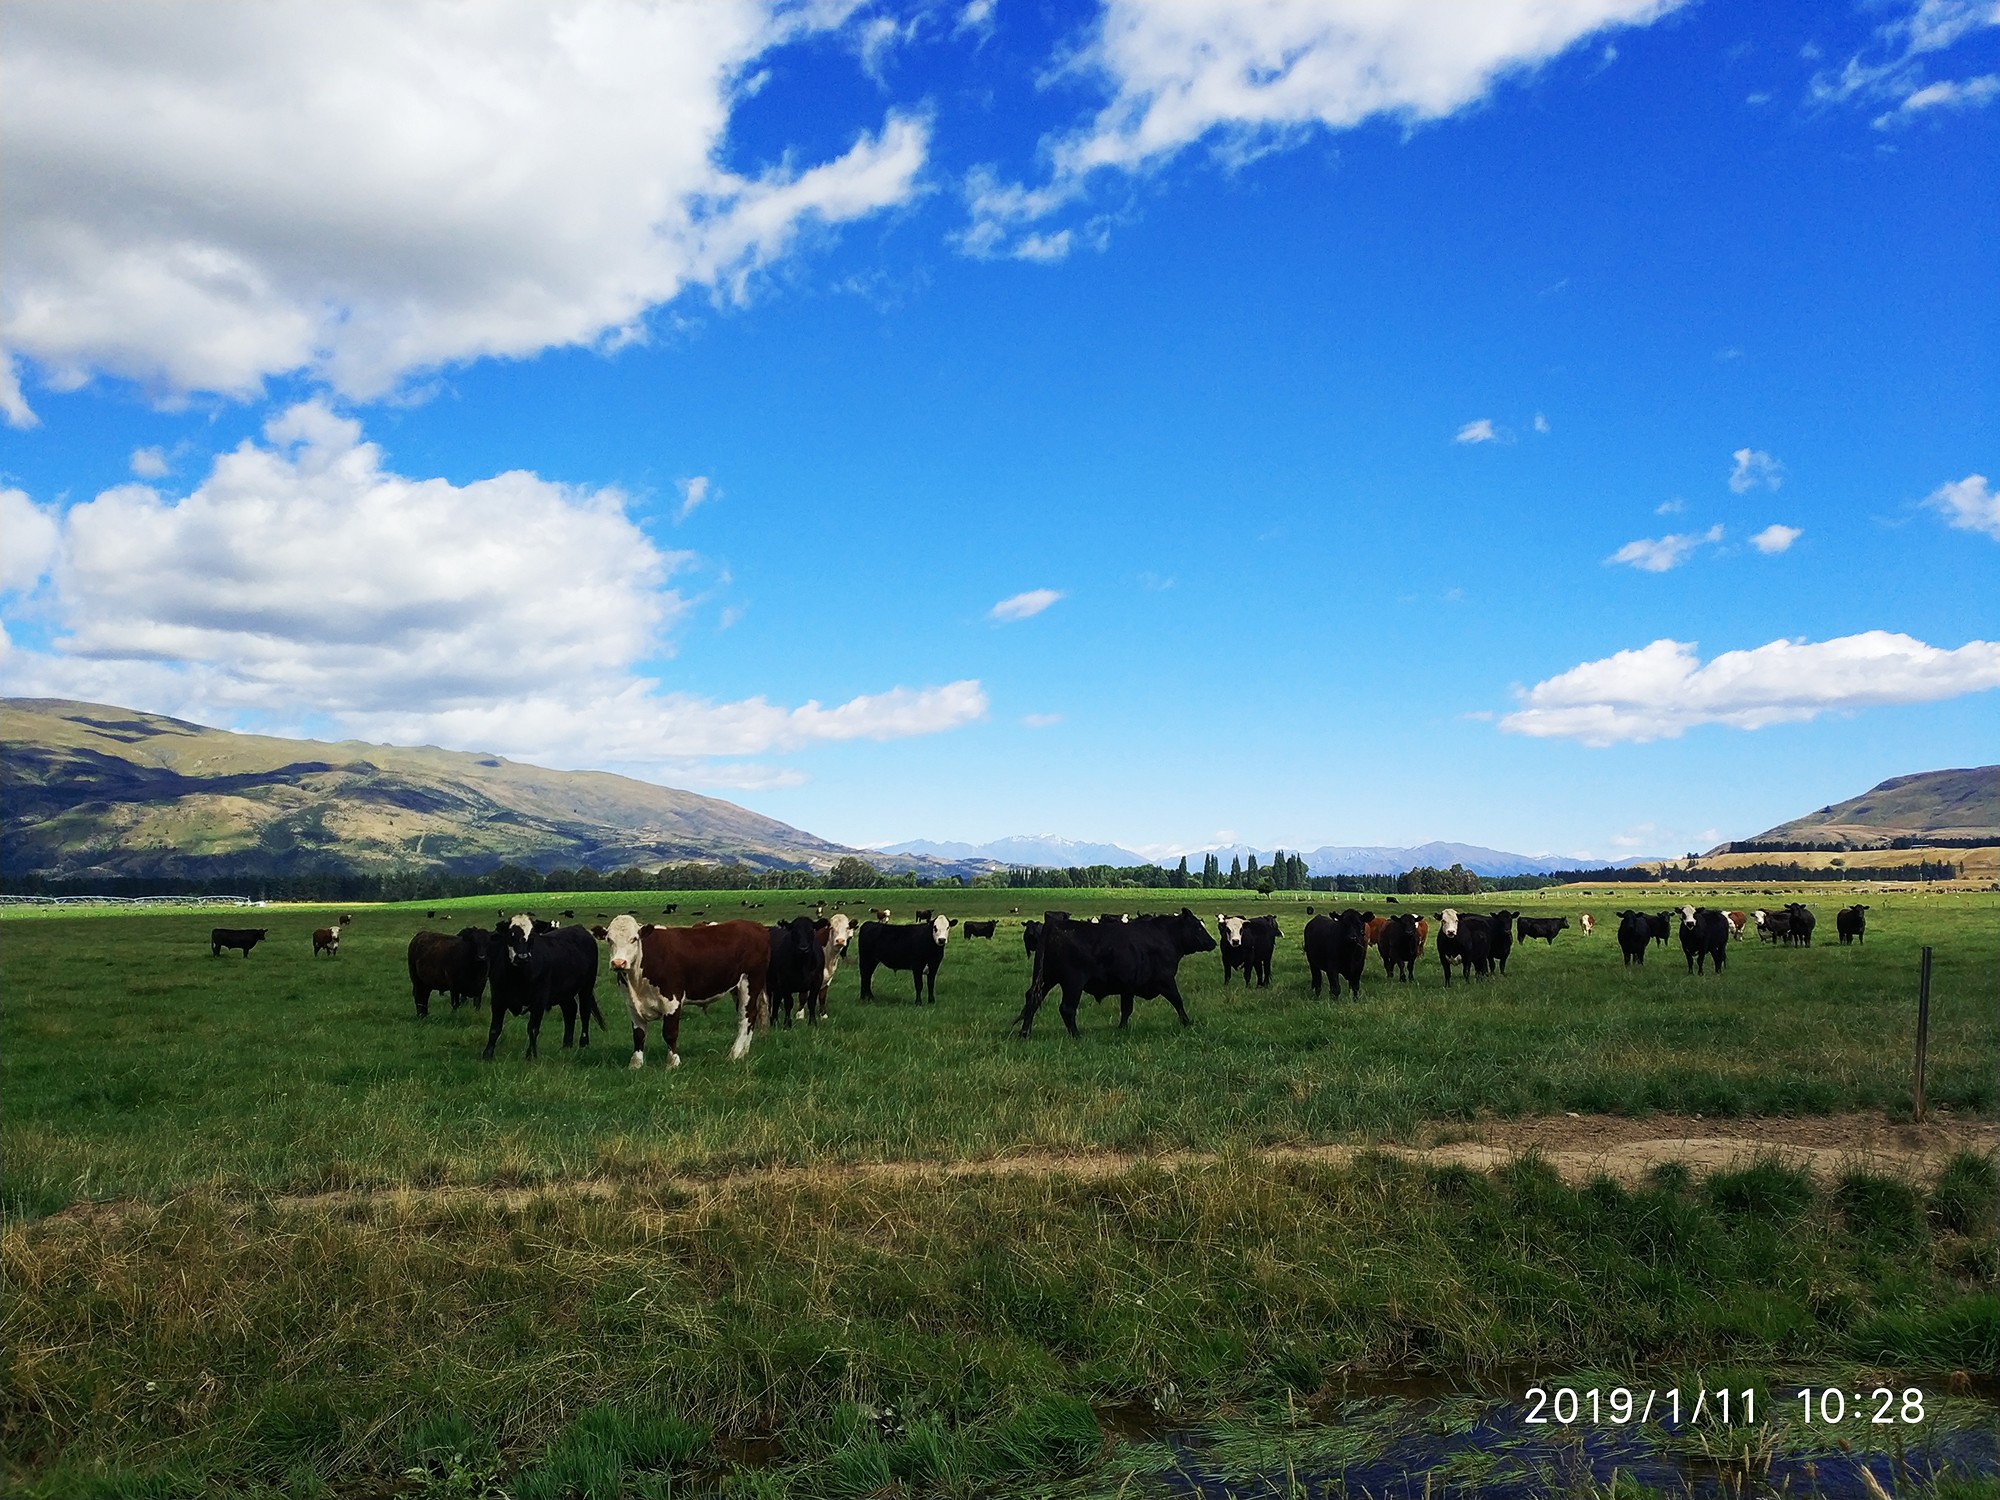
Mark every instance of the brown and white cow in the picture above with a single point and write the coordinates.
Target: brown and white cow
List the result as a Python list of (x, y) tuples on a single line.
[(834, 934), (1587, 923), (664, 969), (1738, 920), (326, 940)]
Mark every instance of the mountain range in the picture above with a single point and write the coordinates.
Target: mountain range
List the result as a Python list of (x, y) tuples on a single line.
[(1050, 851)]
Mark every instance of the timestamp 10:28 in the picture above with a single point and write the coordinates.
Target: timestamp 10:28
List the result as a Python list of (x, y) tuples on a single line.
[(1830, 1406)]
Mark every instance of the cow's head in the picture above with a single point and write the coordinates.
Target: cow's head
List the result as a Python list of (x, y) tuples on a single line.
[(940, 929), (839, 929), (1448, 922), (1687, 916), (621, 935), (1231, 929), (1191, 934)]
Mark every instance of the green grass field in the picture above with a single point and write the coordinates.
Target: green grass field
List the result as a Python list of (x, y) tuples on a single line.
[(212, 1327)]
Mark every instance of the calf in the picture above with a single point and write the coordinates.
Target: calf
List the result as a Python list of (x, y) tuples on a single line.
[(1467, 941), (917, 947), (1247, 943), (536, 969), (1851, 922), (454, 964), (1540, 927), (245, 938), (1134, 961), (1501, 925), (1704, 935), (1773, 926), (1338, 947), (326, 940), (663, 970), (1635, 935), (980, 929), (1400, 942), (1737, 922), (796, 971)]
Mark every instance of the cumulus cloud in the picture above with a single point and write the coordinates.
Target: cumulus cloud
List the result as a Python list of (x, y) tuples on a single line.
[(1023, 606), (1661, 553), (1247, 78), (14, 408), (303, 579), (27, 542), (1663, 690), (149, 463), (1753, 471), (1968, 504), (1774, 539), (1480, 431), (201, 197)]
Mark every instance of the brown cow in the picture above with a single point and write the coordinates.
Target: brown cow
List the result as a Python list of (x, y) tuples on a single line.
[(1738, 920), (326, 940), (663, 969), (1374, 926)]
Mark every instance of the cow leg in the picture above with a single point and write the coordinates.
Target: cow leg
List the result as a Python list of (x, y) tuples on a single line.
[(1124, 1010), (746, 1016), (1315, 969), (931, 983), (534, 1030), (638, 1047), (1069, 1004), (423, 999), (1030, 1003), (493, 1032), (1174, 999), (670, 1033), (569, 1022), (868, 981)]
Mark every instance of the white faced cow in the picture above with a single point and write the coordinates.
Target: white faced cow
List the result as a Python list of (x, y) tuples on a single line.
[(663, 969)]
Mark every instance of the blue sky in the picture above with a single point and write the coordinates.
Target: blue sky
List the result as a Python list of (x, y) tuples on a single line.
[(1562, 425)]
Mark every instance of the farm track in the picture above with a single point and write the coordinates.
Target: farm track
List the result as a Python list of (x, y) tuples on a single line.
[(1580, 1148)]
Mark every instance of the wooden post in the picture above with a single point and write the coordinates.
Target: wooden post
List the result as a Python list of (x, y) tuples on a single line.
[(1923, 1026)]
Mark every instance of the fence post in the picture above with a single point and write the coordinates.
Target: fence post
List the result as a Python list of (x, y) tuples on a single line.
[(1923, 1026)]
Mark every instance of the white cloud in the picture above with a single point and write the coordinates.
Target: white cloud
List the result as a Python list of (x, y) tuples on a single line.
[(1023, 606), (1774, 539), (1480, 431), (149, 463), (693, 492), (1972, 93), (27, 542), (302, 580), (201, 197), (1250, 78), (1754, 470), (976, 16), (1894, 68), (1673, 507), (1968, 504), (1541, 423), (1041, 721), (1662, 690), (13, 405), (1659, 554)]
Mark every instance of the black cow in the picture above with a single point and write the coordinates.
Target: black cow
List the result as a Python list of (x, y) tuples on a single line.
[(798, 967), (245, 938), (1247, 944), (1134, 961), (915, 946), (1662, 925), (1803, 922), (1467, 941), (453, 964), (1704, 935), (1774, 926), (1399, 945), (1540, 927), (1852, 924), (1635, 935), (1031, 934), (980, 929), (537, 971), (1338, 947), (1501, 925)]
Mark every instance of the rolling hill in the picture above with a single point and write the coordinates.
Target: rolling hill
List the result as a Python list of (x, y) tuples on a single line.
[(88, 791), (1956, 805)]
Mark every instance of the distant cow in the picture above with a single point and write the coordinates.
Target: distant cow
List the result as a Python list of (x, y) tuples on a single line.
[(1738, 920), (1635, 935), (1247, 943), (326, 940), (536, 970), (797, 970), (451, 964), (1134, 961), (1704, 936), (1399, 940), (880, 913), (1803, 922), (980, 929), (1338, 947), (1540, 927), (1587, 923), (1467, 941), (1031, 934), (917, 947), (1852, 924), (245, 938), (663, 970)]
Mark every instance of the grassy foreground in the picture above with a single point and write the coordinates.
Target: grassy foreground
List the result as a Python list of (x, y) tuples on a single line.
[(643, 1316)]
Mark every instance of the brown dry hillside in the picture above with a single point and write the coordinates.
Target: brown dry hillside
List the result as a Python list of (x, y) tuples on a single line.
[(90, 790), (1955, 805)]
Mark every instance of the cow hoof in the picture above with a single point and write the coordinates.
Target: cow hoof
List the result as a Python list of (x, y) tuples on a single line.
[(673, 1059), (638, 1061)]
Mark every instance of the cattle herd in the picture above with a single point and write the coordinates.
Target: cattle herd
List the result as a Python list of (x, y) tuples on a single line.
[(784, 972)]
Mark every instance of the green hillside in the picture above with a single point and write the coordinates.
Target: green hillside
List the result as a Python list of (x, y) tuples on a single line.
[(88, 790), (1956, 805)]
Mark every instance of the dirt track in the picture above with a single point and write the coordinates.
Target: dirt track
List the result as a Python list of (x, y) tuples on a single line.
[(1578, 1147)]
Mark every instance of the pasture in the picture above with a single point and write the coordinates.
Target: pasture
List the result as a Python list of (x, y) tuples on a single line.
[(268, 1232)]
